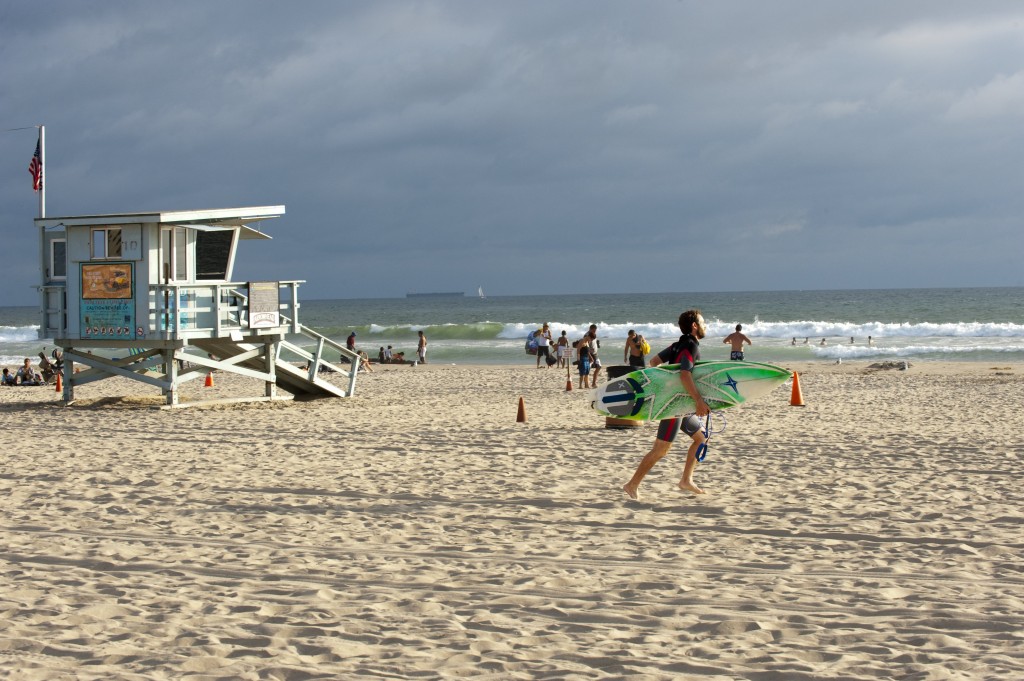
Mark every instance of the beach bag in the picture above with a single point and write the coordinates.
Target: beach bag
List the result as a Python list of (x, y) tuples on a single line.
[(645, 347), (531, 343), (550, 360)]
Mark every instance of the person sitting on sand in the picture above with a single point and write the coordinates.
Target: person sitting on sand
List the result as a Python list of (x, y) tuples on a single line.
[(9, 378), (26, 376), (685, 352), (364, 361)]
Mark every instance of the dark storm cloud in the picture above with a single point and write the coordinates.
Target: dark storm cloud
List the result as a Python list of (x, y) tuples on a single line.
[(536, 147)]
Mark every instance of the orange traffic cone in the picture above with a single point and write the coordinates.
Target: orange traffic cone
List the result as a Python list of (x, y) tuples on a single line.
[(521, 416), (568, 381), (797, 397), (60, 383), (209, 380)]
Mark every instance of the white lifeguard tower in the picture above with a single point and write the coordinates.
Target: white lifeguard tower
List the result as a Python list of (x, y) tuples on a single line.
[(130, 294)]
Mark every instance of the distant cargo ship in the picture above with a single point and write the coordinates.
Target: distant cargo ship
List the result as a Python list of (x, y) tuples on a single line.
[(444, 294)]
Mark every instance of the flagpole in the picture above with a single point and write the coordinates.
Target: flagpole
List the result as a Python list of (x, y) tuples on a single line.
[(42, 171)]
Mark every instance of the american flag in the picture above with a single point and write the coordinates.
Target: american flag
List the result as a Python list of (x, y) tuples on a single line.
[(36, 168)]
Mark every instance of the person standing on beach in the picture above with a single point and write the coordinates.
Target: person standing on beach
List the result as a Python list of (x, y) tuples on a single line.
[(595, 362), (685, 352), (633, 352), (562, 350), (583, 359), (543, 345), (421, 348), (737, 339)]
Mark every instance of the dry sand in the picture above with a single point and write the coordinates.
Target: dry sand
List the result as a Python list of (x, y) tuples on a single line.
[(419, 531)]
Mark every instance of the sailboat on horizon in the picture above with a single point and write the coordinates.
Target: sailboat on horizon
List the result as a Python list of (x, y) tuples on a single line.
[(480, 292)]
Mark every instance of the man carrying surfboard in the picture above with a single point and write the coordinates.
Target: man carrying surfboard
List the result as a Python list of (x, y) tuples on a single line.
[(685, 352)]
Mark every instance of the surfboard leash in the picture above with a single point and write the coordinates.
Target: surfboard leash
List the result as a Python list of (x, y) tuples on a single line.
[(702, 450)]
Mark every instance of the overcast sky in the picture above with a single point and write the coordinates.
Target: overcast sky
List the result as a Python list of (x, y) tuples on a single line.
[(535, 147)]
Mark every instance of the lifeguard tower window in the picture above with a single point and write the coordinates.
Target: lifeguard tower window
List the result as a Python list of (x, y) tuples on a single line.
[(106, 242), (212, 252), (58, 259)]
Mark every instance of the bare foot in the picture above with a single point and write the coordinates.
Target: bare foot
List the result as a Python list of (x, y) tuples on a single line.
[(690, 487), (631, 492)]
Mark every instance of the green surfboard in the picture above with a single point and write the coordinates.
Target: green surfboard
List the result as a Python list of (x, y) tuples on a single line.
[(656, 393)]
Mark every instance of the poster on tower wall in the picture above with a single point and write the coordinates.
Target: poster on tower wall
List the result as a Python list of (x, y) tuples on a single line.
[(264, 306), (107, 306)]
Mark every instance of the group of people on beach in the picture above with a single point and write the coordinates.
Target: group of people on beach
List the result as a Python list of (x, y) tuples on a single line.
[(388, 355), (584, 350), (824, 341), (25, 375)]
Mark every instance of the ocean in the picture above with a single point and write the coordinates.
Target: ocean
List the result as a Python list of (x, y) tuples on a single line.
[(962, 324)]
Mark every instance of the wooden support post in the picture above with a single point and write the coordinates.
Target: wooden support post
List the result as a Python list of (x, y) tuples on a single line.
[(171, 372), (270, 357), (69, 380), (296, 326)]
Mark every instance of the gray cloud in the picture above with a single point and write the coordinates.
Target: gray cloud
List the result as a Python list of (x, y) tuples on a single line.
[(534, 147)]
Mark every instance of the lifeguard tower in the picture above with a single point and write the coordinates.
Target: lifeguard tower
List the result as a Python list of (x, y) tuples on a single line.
[(150, 297)]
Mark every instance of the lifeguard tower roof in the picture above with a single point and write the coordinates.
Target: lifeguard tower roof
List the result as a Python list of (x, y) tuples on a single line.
[(209, 219)]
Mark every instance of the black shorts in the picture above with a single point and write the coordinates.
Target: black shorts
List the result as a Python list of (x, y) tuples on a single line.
[(736, 354), (637, 361), (542, 351), (669, 428)]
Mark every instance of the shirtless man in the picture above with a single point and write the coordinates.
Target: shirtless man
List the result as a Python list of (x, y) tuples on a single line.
[(421, 348), (684, 352), (633, 354), (737, 339)]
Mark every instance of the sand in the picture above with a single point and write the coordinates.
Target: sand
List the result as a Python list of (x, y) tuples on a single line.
[(418, 531)]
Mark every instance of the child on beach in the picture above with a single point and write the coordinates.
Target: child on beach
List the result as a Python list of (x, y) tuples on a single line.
[(583, 357), (562, 350)]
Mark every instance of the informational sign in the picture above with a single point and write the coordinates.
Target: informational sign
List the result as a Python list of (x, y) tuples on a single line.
[(264, 307), (107, 307)]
